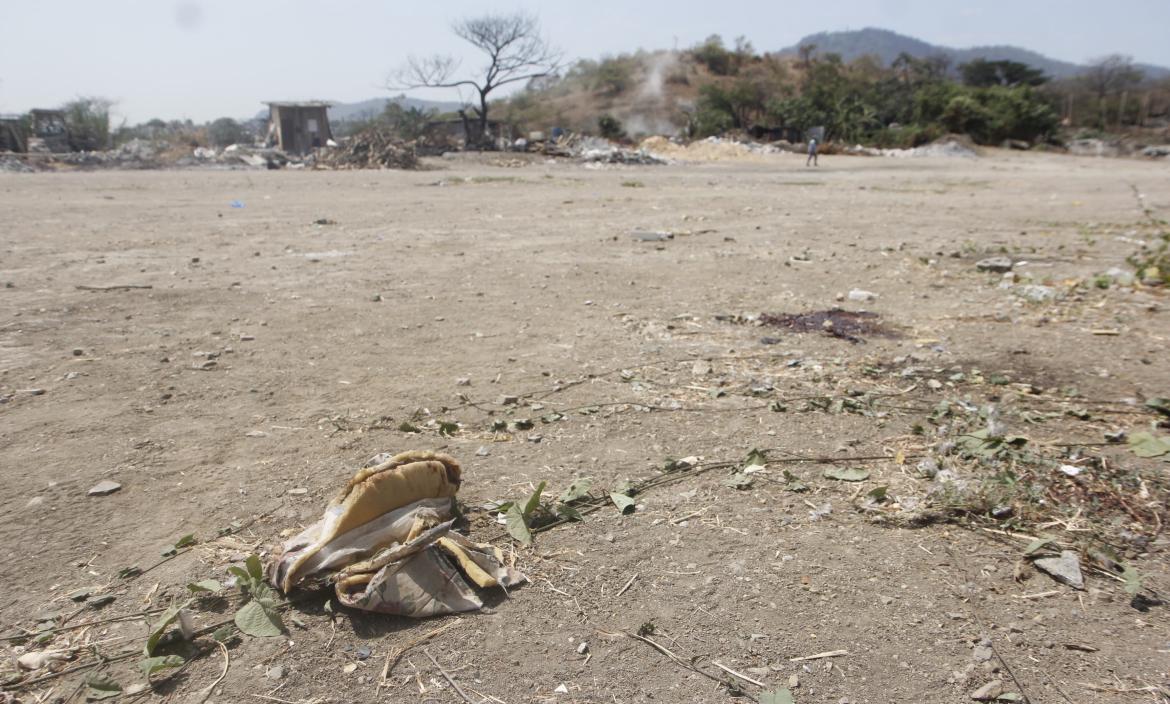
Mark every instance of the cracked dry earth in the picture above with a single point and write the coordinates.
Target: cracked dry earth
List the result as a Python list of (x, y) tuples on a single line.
[(272, 356)]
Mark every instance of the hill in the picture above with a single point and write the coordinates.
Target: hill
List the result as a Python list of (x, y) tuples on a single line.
[(887, 45), (348, 112)]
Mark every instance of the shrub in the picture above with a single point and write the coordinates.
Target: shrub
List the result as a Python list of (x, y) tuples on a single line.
[(610, 127), (225, 131)]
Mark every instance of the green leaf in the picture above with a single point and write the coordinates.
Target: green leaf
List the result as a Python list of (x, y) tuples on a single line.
[(499, 426), (780, 696), (224, 633), (755, 458), (1161, 405), (1133, 580), (794, 484), (205, 585), (551, 417), (128, 572), (408, 427), (149, 666), (185, 541), (533, 501), (523, 424), (579, 489), (777, 407), (624, 503), (879, 493), (569, 513), (447, 428), (99, 686), (625, 487), (739, 480), (1037, 544), (1146, 445), (255, 568), (259, 620), (847, 474), (161, 625), (517, 526)]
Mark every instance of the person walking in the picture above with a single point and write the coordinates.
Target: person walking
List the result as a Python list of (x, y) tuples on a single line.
[(812, 153)]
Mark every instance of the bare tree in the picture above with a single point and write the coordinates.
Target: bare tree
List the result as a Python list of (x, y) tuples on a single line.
[(1110, 75), (515, 53)]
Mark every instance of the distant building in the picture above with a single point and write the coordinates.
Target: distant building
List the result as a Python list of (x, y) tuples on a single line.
[(49, 130), (298, 128)]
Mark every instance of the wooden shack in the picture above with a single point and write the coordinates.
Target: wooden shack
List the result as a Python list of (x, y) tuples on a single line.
[(298, 128)]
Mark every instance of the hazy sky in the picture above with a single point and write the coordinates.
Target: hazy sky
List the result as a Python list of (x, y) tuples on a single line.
[(208, 58)]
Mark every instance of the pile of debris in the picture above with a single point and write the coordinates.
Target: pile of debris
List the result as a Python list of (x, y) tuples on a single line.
[(596, 150), (370, 149), (709, 149)]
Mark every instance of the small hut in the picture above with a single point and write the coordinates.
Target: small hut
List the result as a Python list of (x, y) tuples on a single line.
[(298, 128), (50, 131)]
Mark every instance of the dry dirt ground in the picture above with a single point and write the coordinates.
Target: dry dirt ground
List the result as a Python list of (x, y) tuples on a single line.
[(271, 356)]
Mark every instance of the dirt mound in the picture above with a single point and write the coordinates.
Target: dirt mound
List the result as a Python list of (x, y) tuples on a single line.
[(371, 149), (710, 149), (949, 146)]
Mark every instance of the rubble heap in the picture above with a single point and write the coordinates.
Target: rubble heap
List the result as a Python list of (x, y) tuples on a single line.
[(370, 149)]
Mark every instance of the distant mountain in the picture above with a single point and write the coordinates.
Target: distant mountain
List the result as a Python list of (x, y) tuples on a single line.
[(346, 112), (887, 45)]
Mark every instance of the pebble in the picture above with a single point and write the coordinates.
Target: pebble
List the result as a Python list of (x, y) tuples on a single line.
[(508, 400), (275, 672), (463, 381), (887, 600), (582, 648), (998, 265), (483, 451), (299, 491), (988, 692), (363, 652), (862, 295), (349, 668), (104, 488), (77, 352), (561, 689)]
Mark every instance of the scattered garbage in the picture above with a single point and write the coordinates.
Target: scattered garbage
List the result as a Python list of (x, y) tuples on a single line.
[(236, 204), (385, 542), (848, 325), (369, 149)]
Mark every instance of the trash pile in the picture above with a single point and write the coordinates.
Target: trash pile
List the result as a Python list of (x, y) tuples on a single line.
[(385, 543), (11, 164), (370, 149), (709, 149), (949, 146), (596, 150)]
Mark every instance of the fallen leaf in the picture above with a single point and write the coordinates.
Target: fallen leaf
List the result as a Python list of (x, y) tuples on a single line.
[(149, 666), (624, 503), (99, 686), (847, 474)]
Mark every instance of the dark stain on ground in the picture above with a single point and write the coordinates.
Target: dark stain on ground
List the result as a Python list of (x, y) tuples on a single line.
[(845, 324)]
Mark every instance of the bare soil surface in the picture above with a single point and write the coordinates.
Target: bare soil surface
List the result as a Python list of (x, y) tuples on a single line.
[(270, 356)]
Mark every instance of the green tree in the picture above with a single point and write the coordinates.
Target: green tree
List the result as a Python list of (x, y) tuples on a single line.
[(982, 73), (225, 131), (88, 120)]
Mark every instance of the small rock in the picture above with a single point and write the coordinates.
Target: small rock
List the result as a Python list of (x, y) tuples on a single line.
[(247, 338), (535, 438), (363, 652), (701, 368), (275, 672), (463, 381), (859, 295), (77, 352), (582, 648), (255, 434), (887, 600), (988, 692), (1065, 569), (35, 501), (36, 661), (349, 668), (1037, 293), (104, 488), (508, 400), (483, 451), (793, 681), (999, 265), (561, 689), (32, 392), (981, 653), (299, 491)]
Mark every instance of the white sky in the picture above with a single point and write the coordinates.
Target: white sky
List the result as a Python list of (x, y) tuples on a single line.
[(209, 58)]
